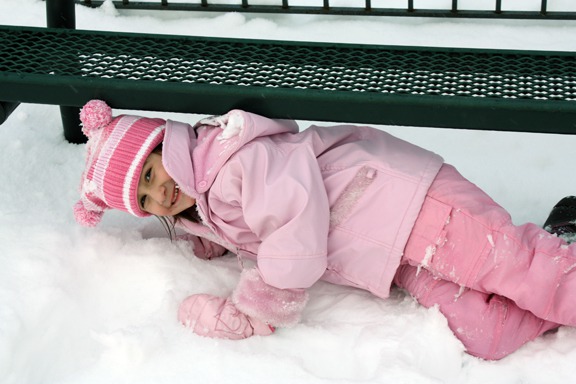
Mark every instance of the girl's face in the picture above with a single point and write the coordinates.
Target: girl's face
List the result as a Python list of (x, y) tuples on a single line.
[(158, 194)]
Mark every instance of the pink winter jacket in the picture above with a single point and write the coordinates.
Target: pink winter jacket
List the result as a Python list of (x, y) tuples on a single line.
[(332, 203)]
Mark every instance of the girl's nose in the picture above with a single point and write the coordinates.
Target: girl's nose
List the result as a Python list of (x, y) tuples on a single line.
[(159, 194)]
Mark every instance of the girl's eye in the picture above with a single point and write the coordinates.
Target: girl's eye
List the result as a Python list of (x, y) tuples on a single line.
[(147, 178)]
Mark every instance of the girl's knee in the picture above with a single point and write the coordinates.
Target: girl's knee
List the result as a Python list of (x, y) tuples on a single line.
[(488, 325), (497, 330), (483, 333)]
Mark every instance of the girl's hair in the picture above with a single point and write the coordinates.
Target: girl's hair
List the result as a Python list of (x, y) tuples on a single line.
[(168, 223)]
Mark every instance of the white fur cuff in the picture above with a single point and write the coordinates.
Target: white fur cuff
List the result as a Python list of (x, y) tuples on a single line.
[(277, 307)]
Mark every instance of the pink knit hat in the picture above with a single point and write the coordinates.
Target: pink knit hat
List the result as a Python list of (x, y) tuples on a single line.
[(116, 151)]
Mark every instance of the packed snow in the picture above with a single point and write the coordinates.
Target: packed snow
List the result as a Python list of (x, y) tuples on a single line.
[(82, 305)]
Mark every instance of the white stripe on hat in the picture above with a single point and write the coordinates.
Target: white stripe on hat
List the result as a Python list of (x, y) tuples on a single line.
[(110, 145), (143, 151)]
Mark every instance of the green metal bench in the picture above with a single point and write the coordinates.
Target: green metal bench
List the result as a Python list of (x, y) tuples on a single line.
[(436, 87)]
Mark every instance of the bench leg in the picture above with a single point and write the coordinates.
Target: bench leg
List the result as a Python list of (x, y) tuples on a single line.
[(71, 123), (6, 108), (62, 14)]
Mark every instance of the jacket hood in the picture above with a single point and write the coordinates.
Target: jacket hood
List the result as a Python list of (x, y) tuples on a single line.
[(196, 153)]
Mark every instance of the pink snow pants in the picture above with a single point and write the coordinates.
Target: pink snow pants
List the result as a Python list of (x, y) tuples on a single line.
[(499, 285)]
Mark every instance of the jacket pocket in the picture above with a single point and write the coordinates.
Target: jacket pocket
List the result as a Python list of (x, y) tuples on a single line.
[(429, 232)]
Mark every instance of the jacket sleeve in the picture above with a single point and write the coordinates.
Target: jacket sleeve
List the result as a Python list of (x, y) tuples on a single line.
[(280, 197)]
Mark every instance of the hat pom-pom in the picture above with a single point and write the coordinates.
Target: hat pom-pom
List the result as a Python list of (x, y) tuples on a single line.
[(86, 217), (94, 115)]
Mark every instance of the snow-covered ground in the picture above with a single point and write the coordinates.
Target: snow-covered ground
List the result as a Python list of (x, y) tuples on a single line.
[(99, 305)]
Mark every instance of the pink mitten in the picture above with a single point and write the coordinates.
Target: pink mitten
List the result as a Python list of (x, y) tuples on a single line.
[(218, 317)]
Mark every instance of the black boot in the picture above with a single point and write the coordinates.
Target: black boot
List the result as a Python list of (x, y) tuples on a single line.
[(562, 219)]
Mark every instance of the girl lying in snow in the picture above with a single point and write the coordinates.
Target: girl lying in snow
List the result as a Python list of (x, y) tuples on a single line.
[(347, 204)]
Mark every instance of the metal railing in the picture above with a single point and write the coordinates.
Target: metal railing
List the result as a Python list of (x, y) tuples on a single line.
[(284, 6)]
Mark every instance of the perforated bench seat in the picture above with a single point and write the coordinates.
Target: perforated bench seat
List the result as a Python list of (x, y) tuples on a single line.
[(440, 87)]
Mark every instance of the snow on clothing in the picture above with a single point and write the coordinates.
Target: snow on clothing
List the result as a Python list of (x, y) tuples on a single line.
[(302, 204), (498, 285), (344, 204)]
